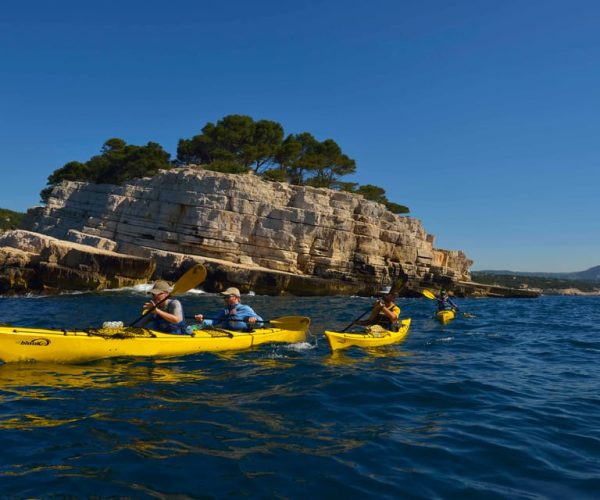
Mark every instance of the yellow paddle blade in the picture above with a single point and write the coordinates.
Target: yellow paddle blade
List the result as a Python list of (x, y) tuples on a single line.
[(428, 294), (190, 279), (296, 323)]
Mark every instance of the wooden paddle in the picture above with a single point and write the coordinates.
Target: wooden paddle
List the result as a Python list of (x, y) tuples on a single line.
[(431, 296), (190, 279)]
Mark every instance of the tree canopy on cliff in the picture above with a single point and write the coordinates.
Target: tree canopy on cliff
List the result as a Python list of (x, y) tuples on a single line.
[(235, 144), (117, 163), (235, 140), (375, 193), (303, 160)]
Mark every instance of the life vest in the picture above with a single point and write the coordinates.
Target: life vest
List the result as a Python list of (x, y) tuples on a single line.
[(162, 325), (385, 322)]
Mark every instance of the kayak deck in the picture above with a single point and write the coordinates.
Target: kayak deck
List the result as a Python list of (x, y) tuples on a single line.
[(63, 346), (343, 340), (445, 316)]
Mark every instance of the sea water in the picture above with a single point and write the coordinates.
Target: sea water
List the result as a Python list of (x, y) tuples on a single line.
[(502, 405)]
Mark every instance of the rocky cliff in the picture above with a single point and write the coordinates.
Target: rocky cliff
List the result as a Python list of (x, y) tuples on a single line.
[(267, 236), (32, 262)]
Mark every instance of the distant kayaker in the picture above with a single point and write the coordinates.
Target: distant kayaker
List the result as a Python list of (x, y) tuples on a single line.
[(385, 313), (167, 315), (444, 303), (235, 315)]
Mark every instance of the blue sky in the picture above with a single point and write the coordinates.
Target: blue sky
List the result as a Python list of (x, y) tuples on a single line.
[(481, 116)]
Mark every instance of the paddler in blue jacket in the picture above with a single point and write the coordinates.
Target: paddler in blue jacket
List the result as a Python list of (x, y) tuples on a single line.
[(235, 316), (444, 303)]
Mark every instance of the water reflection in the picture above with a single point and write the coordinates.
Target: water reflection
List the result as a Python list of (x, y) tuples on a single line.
[(365, 356), (98, 375)]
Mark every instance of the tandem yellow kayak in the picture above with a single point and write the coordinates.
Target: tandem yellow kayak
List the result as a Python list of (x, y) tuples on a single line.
[(65, 346), (342, 340), (445, 316)]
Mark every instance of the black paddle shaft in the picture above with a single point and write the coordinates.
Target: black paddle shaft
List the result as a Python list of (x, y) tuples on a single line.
[(149, 311), (358, 319)]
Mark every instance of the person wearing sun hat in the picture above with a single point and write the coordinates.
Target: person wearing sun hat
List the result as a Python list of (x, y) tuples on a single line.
[(235, 315), (167, 314)]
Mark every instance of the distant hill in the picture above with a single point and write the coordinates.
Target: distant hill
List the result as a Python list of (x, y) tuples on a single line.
[(548, 284), (9, 219), (591, 274)]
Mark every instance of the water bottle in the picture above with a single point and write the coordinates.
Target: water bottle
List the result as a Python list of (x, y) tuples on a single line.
[(112, 326)]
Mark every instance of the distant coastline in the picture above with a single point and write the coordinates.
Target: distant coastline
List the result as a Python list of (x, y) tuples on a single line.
[(542, 283)]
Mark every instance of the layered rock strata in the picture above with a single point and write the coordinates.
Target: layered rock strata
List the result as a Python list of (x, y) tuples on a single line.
[(265, 236), (32, 262)]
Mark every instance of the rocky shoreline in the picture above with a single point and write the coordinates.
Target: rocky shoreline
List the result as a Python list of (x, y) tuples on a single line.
[(268, 237)]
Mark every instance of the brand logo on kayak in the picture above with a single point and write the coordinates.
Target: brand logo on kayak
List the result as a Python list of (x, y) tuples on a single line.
[(42, 342)]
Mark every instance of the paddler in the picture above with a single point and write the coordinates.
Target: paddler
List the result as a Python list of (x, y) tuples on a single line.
[(167, 315), (385, 313), (444, 303), (235, 315)]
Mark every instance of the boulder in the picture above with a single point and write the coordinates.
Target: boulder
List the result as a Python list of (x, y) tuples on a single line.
[(33, 262)]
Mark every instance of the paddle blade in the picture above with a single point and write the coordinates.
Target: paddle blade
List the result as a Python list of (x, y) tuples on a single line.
[(190, 279), (296, 323), (428, 294)]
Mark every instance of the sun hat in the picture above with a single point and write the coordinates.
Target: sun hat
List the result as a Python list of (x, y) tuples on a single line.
[(160, 286), (231, 291)]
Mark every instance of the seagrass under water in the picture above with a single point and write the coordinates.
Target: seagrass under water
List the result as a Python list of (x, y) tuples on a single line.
[(502, 405)]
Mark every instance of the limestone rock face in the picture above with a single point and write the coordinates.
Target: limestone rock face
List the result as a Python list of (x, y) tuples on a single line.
[(32, 262), (269, 236)]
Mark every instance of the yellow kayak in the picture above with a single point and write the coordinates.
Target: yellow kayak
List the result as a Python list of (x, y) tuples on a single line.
[(65, 346), (342, 340), (445, 316)]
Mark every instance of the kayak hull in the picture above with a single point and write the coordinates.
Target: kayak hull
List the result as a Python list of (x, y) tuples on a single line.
[(60, 346), (343, 340), (446, 316)]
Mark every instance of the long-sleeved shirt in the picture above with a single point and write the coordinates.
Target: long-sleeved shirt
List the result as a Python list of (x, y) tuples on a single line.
[(234, 318), (445, 304)]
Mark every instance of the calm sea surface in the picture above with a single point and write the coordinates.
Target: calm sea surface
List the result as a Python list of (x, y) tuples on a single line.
[(503, 405)]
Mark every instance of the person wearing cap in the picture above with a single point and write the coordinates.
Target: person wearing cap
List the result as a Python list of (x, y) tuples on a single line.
[(385, 313), (235, 315), (444, 303), (167, 314)]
